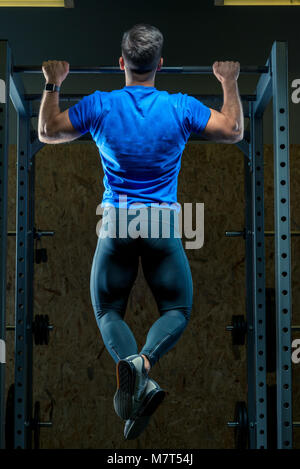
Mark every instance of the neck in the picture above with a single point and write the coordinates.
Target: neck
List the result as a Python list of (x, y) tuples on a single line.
[(147, 79), (139, 83)]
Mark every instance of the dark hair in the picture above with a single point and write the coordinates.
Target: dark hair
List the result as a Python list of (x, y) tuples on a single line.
[(142, 47)]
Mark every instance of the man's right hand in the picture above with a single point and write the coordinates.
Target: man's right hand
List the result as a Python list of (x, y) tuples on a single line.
[(226, 71)]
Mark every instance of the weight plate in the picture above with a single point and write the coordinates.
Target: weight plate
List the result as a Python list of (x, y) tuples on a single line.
[(46, 332), (241, 432), (239, 330), (35, 425), (40, 329), (37, 329)]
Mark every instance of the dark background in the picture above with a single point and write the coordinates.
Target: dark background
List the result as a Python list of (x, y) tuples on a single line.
[(196, 33), (74, 376)]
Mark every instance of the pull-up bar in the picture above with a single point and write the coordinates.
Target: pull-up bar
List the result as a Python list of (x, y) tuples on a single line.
[(78, 96), (165, 70)]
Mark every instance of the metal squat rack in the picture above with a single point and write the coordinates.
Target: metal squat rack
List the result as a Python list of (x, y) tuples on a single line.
[(273, 83)]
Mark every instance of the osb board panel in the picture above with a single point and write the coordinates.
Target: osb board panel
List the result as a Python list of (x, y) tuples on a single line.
[(203, 376)]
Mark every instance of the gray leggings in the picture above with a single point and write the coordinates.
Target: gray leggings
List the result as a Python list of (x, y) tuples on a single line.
[(167, 272)]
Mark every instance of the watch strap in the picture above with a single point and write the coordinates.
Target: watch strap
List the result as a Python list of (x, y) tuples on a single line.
[(51, 87)]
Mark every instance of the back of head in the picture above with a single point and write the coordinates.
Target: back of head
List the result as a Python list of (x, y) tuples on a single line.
[(142, 48)]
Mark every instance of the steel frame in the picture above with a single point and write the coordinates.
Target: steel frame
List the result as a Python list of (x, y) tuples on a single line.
[(272, 83), (5, 65), (279, 59), (255, 287)]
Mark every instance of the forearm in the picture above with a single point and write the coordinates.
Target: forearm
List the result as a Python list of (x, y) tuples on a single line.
[(49, 109), (232, 106)]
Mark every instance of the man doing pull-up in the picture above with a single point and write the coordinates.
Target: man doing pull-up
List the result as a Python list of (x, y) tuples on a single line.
[(141, 133)]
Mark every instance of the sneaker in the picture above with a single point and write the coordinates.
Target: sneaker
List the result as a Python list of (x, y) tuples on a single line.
[(153, 397), (132, 379)]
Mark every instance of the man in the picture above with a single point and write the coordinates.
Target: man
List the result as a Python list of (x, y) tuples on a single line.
[(141, 133)]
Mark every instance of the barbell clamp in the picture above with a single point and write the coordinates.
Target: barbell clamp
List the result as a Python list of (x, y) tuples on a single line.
[(233, 424)]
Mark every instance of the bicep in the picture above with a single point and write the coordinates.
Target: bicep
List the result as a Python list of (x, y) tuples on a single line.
[(218, 128), (61, 130)]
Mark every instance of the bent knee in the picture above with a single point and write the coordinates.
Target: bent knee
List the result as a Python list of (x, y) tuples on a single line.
[(178, 313), (105, 315)]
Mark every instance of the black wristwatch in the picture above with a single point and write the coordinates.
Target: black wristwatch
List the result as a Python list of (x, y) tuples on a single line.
[(51, 87)]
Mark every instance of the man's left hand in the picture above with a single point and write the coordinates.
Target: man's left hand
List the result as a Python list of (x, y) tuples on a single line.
[(55, 71)]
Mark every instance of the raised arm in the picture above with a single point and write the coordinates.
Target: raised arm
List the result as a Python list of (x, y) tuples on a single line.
[(55, 126), (227, 126)]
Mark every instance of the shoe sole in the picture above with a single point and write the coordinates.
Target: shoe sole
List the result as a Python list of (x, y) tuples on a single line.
[(123, 399), (140, 422), (151, 402)]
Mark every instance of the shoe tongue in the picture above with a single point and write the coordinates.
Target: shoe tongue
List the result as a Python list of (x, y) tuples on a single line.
[(135, 357)]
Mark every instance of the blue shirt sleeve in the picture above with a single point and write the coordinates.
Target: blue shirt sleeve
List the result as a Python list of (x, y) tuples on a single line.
[(84, 113), (196, 115)]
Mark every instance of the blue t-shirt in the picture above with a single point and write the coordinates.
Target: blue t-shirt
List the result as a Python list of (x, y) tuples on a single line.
[(141, 133)]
